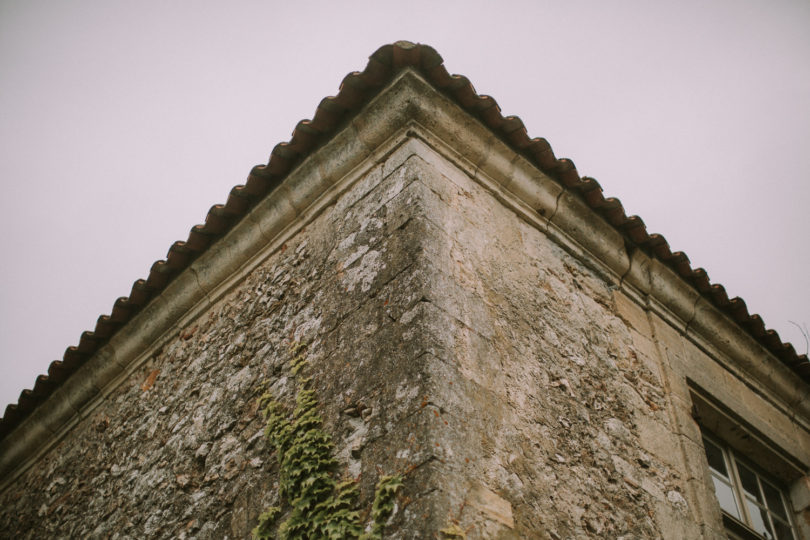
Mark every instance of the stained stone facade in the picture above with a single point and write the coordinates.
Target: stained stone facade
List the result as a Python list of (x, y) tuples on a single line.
[(469, 325)]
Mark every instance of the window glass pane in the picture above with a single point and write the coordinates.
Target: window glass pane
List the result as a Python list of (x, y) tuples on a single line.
[(747, 496), (783, 531), (715, 457), (749, 481), (759, 520), (774, 500), (726, 497)]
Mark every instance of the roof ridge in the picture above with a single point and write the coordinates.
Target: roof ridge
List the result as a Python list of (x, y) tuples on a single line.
[(355, 90)]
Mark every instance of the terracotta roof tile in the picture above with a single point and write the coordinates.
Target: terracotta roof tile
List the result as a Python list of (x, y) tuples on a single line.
[(356, 89)]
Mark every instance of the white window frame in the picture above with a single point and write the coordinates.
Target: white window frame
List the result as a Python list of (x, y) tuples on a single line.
[(744, 526)]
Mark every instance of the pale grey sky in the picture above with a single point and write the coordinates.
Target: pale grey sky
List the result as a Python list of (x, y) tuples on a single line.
[(121, 123)]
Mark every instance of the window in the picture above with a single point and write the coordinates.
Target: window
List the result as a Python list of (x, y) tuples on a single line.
[(751, 502)]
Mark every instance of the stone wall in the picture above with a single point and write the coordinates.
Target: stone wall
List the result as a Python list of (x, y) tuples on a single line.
[(178, 450), (543, 386), (518, 389)]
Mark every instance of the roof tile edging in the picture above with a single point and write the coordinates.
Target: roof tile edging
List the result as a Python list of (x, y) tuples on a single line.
[(355, 90)]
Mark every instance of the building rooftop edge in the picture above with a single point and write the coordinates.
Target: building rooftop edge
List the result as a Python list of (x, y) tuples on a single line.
[(333, 112)]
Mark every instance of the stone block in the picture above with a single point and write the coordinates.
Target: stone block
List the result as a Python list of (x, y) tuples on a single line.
[(800, 494), (674, 523), (589, 231), (657, 439), (686, 425), (703, 503), (633, 314), (534, 188), (491, 505)]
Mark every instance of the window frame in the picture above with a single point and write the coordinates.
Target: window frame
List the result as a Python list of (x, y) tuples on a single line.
[(742, 528)]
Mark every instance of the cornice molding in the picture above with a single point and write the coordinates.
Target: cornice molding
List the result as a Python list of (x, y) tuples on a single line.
[(409, 116)]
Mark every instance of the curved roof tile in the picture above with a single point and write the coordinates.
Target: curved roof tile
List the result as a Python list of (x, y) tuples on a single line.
[(356, 89)]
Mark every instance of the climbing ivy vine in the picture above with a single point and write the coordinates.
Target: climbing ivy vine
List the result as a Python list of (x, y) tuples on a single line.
[(383, 505), (321, 506)]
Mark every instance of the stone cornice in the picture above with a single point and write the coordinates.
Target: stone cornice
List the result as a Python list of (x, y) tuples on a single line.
[(408, 116)]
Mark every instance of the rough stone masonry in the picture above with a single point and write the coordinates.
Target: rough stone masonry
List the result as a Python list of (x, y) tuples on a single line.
[(480, 351), (422, 304), (488, 365)]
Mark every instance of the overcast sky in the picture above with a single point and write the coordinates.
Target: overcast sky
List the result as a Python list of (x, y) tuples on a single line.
[(121, 123)]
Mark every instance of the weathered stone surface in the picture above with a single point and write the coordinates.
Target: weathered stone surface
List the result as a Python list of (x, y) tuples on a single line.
[(513, 379), (178, 449)]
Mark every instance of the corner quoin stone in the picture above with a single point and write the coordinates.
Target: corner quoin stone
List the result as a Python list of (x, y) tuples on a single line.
[(490, 353)]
